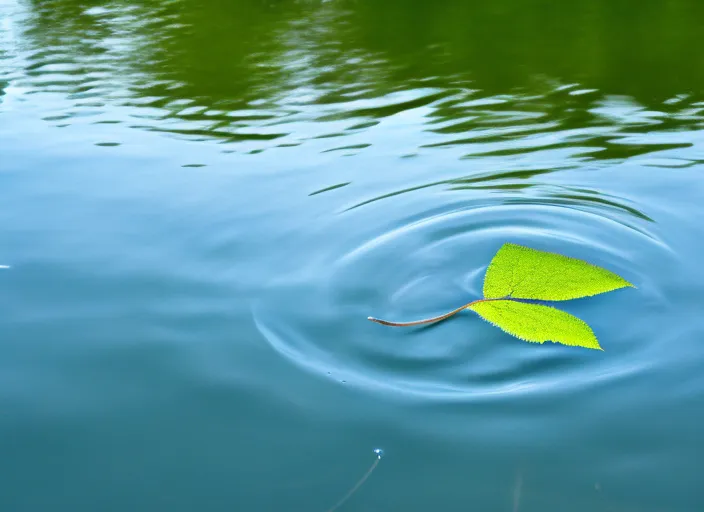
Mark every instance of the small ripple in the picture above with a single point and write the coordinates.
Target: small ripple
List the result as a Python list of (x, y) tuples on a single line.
[(328, 189), (349, 147), (386, 106)]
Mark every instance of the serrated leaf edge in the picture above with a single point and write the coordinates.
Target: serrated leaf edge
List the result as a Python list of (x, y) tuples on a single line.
[(470, 307), (626, 283)]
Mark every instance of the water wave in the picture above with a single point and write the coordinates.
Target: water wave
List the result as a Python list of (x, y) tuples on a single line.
[(433, 262)]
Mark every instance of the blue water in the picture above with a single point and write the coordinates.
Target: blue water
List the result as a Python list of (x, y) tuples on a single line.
[(201, 205)]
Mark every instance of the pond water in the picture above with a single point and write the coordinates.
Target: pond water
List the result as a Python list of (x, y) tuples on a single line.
[(202, 202)]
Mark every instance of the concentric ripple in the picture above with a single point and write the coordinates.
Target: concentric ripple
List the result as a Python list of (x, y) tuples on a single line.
[(434, 262)]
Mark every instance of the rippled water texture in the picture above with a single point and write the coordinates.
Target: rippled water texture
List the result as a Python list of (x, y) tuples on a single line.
[(202, 202)]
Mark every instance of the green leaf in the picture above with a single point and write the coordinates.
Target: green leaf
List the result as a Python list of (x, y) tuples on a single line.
[(536, 323), (523, 273)]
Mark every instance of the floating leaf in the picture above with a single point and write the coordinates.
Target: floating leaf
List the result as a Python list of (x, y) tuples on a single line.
[(536, 323), (519, 272)]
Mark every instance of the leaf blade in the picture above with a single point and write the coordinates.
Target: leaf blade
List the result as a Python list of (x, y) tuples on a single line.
[(536, 323), (524, 273)]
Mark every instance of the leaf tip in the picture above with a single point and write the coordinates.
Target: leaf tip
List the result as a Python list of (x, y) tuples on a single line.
[(594, 346)]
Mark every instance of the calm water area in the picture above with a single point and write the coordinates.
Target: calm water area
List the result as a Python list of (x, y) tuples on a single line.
[(202, 201)]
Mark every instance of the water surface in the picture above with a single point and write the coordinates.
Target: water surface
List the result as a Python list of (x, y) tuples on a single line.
[(201, 204)]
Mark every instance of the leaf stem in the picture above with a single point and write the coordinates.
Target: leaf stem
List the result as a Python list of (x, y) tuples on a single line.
[(430, 320)]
